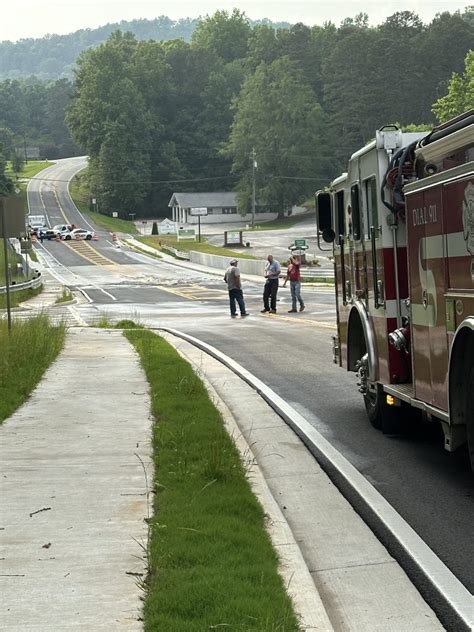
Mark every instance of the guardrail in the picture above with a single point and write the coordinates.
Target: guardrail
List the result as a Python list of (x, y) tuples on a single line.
[(180, 254), (318, 273), (27, 285)]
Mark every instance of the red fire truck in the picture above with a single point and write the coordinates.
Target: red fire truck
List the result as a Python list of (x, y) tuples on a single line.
[(401, 223)]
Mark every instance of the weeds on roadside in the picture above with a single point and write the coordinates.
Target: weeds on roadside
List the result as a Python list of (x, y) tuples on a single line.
[(65, 296), (25, 355)]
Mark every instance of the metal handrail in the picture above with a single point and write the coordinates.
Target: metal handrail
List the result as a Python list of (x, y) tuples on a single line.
[(31, 284)]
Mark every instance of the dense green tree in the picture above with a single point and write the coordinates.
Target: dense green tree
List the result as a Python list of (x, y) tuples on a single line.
[(460, 95), (6, 185), (225, 35), (277, 116)]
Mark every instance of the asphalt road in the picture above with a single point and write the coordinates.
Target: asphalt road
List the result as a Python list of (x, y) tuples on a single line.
[(429, 487)]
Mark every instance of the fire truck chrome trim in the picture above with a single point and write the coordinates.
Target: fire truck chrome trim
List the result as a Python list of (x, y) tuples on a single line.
[(372, 361), (456, 173)]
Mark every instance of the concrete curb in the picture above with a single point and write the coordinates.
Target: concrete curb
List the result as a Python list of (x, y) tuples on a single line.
[(292, 566), (451, 601)]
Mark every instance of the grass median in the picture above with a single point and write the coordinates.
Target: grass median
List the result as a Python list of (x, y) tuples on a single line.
[(211, 563), (203, 246), (26, 354)]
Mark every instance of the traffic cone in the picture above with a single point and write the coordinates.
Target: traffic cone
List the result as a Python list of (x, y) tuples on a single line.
[(114, 237), (95, 237), (34, 239), (58, 237), (78, 237)]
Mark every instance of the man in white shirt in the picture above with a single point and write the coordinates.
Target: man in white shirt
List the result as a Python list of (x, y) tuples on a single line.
[(272, 274)]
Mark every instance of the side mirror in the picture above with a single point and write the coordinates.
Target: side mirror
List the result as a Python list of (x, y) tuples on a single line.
[(328, 235), (323, 210)]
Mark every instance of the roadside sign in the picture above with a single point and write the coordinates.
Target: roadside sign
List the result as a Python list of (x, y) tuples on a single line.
[(14, 223), (25, 245), (232, 238), (299, 243), (198, 210), (186, 233), (167, 227), (114, 213)]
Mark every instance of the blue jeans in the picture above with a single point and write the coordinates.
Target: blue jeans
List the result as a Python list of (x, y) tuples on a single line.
[(236, 295), (295, 288)]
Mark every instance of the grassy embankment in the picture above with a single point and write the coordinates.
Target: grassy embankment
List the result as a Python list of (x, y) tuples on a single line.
[(157, 241), (278, 224), (15, 297), (210, 560), (26, 354), (30, 169), (81, 195)]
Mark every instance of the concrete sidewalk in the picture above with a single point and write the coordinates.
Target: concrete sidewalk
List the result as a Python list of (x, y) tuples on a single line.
[(73, 492)]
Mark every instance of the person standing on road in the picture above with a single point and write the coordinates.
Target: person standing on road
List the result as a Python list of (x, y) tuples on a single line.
[(272, 274), (293, 274), (234, 285)]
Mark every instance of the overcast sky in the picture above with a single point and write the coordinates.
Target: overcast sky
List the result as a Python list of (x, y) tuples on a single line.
[(35, 18)]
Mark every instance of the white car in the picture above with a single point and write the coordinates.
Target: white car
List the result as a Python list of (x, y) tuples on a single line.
[(78, 233)]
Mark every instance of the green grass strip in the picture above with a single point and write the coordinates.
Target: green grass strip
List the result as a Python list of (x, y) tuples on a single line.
[(211, 561), (30, 169), (186, 246), (19, 296), (25, 356)]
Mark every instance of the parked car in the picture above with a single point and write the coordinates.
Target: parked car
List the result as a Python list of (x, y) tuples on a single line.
[(63, 230), (78, 233)]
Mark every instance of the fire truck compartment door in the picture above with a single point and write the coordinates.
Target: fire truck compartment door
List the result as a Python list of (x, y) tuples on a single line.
[(428, 282), (459, 211)]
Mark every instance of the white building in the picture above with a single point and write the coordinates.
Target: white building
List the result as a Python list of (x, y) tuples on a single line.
[(221, 207)]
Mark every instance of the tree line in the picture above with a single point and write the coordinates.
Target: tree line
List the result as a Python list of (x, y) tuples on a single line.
[(288, 105), (54, 56)]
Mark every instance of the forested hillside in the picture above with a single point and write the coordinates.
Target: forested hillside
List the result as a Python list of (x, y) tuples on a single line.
[(161, 116), (54, 56)]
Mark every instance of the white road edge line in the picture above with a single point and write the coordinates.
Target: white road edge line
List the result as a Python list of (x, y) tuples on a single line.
[(442, 590)]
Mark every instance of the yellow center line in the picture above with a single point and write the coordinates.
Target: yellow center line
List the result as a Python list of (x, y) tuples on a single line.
[(307, 321), (178, 293)]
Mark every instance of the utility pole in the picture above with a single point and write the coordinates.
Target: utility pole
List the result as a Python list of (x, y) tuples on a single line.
[(254, 166), (4, 233)]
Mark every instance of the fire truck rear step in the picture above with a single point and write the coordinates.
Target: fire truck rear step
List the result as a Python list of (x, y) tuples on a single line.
[(454, 436), (406, 393)]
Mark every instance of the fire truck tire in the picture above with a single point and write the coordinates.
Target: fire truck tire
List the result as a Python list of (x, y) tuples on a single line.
[(374, 402), (470, 418)]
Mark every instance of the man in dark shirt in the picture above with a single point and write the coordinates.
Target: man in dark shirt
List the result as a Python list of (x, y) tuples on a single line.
[(234, 285)]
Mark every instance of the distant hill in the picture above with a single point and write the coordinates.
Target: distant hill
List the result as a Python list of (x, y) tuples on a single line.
[(54, 56)]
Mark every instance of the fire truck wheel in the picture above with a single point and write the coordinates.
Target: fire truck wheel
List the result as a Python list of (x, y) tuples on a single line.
[(374, 402), (470, 418)]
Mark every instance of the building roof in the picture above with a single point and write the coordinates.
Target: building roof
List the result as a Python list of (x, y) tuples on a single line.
[(223, 199)]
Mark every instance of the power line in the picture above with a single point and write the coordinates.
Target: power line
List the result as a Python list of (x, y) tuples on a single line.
[(142, 181)]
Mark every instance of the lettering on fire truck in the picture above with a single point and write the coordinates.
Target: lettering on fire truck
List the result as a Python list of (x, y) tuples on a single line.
[(425, 215)]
